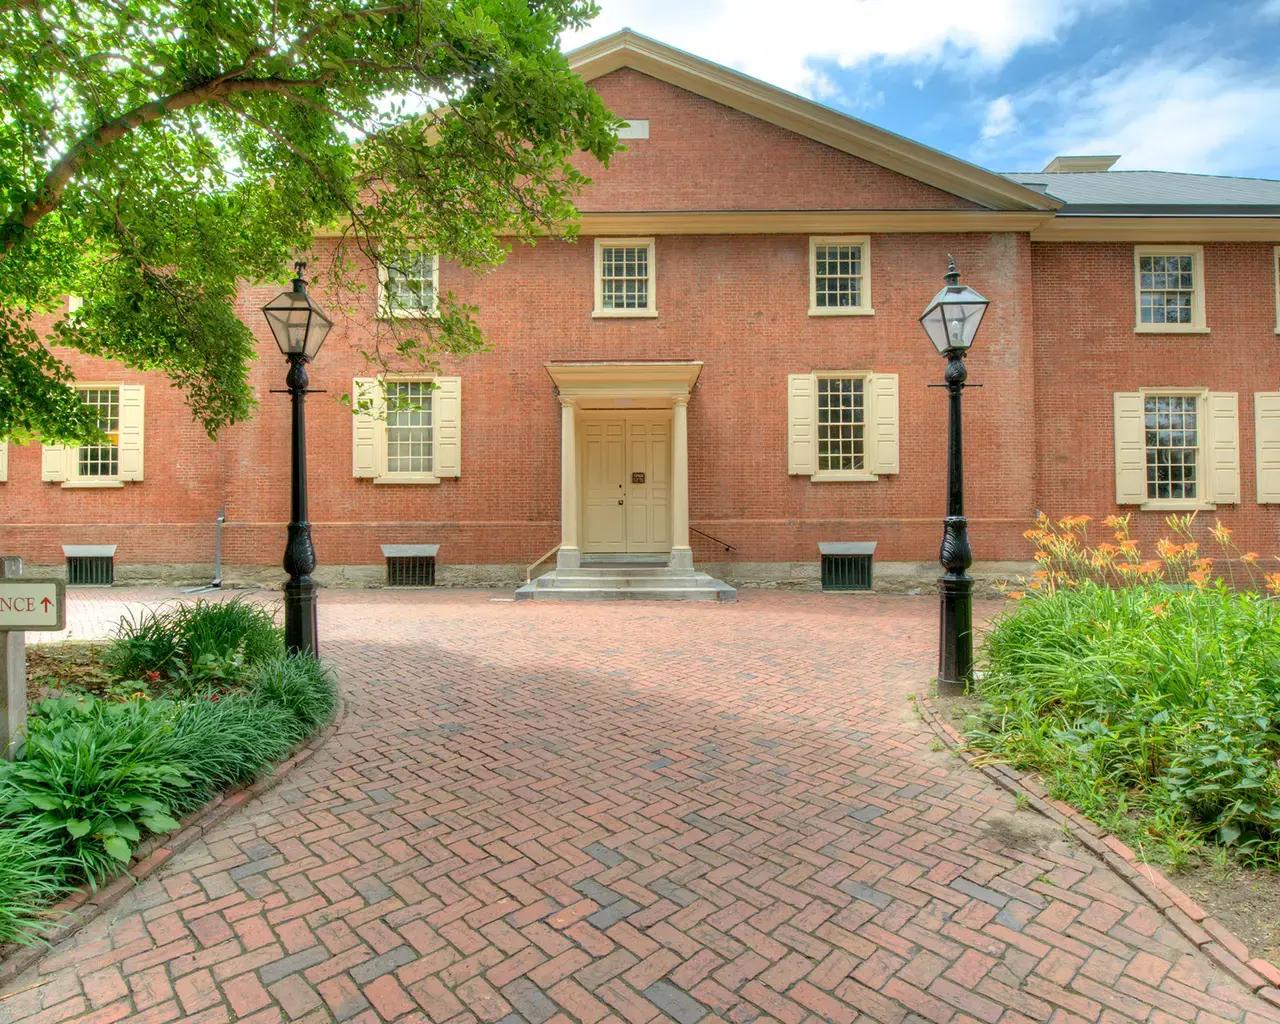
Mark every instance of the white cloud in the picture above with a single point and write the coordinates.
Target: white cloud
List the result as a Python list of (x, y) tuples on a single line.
[(782, 45), (1170, 111), (1000, 119)]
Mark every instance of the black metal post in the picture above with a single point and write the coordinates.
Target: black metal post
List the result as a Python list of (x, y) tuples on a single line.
[(955, 647), (300, 634)]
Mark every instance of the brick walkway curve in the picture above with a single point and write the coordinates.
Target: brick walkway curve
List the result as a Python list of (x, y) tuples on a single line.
[(631, 813)]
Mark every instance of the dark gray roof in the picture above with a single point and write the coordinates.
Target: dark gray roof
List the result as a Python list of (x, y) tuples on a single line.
[(1155, 192)]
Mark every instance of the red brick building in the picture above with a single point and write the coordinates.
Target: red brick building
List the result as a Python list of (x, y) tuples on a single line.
[(726, 370)]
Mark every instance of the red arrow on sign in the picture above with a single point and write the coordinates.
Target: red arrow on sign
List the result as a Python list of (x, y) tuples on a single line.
[(46, 602)]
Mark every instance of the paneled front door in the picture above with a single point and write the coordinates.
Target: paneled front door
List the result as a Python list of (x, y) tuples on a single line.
[(626, 476)]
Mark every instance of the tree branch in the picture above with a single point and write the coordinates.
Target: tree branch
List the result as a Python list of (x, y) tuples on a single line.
[(62, 172)]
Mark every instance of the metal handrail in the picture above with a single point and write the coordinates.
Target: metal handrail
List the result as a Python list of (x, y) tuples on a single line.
[(726, 546), (528, 573)]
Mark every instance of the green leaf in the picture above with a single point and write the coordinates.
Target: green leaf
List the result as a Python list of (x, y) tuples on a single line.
[(118, 848), (159, 823), (78, 827), (1228, 834), (45, 803), (126, 828)]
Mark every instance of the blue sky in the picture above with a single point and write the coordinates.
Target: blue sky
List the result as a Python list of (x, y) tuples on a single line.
[(1167, 84)]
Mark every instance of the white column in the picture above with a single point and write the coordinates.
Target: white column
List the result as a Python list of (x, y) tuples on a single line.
[(569, 556), (681, 552)]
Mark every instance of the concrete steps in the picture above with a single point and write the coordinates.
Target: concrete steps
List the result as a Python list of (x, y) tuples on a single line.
[(623, 582)]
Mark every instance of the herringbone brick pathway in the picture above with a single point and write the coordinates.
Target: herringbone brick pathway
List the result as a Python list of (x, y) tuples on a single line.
[(631, 813)]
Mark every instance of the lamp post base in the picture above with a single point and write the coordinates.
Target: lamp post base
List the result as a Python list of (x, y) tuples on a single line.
[(300, 627), (955, 645)]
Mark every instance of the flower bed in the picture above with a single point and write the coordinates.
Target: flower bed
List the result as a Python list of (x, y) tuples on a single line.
[(196, 699), (1146, 692)]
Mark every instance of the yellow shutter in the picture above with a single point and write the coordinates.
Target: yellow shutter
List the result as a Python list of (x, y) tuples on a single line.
[(1131, 449), (4, 461), (1224, 447), (446, 412), (1266, 413), (131, 431), (884, 423), (55, 461), (801, 431), (368, 431)]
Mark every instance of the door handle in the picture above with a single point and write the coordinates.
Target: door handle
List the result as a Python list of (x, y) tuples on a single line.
[(619, 501)]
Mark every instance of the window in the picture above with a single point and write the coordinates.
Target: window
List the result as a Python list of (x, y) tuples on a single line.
[(1177, 448), (101, 460), (842, 425), (1170, 289), (624, 278), (406, 430), (408, 290), (840, 276), (409, 427), (1173, 446), (841, 421), (119, 411)]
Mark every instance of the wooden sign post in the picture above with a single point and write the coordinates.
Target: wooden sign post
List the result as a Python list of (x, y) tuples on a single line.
[(25, 605)]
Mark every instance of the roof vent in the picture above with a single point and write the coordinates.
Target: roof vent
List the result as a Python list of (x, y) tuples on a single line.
[(1067, 164)]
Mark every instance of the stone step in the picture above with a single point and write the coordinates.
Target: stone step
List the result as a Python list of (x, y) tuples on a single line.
[(574, 581), (720, 592)]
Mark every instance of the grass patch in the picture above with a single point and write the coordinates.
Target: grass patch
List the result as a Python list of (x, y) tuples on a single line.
[(1146, 693), (210, 700)]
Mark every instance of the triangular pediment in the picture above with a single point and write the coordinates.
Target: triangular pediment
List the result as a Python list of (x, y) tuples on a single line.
[(627, 49)]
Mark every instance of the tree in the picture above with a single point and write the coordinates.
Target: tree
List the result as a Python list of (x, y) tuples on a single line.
[(156, 153)]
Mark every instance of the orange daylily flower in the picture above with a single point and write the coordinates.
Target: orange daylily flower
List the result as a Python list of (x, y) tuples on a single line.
[(1158, 610), (1249, 558)]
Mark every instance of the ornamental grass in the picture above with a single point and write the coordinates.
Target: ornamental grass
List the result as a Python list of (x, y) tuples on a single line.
[(203, 698), (1145, 690)]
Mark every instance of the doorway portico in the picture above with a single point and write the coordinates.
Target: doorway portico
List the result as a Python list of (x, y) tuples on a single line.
[(624, 459)]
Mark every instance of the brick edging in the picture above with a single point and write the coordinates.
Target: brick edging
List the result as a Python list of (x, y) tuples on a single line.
[(152, 854), (1208, 935)]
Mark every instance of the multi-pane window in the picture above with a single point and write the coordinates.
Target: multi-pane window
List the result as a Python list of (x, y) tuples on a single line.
[(409, 427), (409, 288), (624, 276), (839, 275), (837, 271), (1166, 289), (102, 460), (1173, 446), (841, 422)]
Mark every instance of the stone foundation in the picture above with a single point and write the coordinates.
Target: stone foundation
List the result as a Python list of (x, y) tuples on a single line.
[(887, 577)]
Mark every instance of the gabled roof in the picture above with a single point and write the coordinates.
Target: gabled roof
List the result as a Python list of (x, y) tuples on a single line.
[(804, 117), (1156, 193)]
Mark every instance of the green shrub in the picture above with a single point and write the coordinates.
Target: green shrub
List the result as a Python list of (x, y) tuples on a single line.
[(198, 646), (94, 775), (222, 628), (299, 684), (147, 642), (1152, 706), (226, 743), (31, 876)]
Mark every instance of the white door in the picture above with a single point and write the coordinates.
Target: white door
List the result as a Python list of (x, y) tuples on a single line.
[(604, 490), (648, 484)]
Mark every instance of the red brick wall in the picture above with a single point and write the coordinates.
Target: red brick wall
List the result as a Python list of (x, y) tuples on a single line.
[(1038, 434), (737, 303), (1086, 349), (701, 155)]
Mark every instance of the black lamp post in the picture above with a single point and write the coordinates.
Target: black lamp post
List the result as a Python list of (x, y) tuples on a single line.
[(952, 322), (300, 327)]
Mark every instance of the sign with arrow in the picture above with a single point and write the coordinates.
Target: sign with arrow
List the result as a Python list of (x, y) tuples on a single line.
[(32, 605)]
